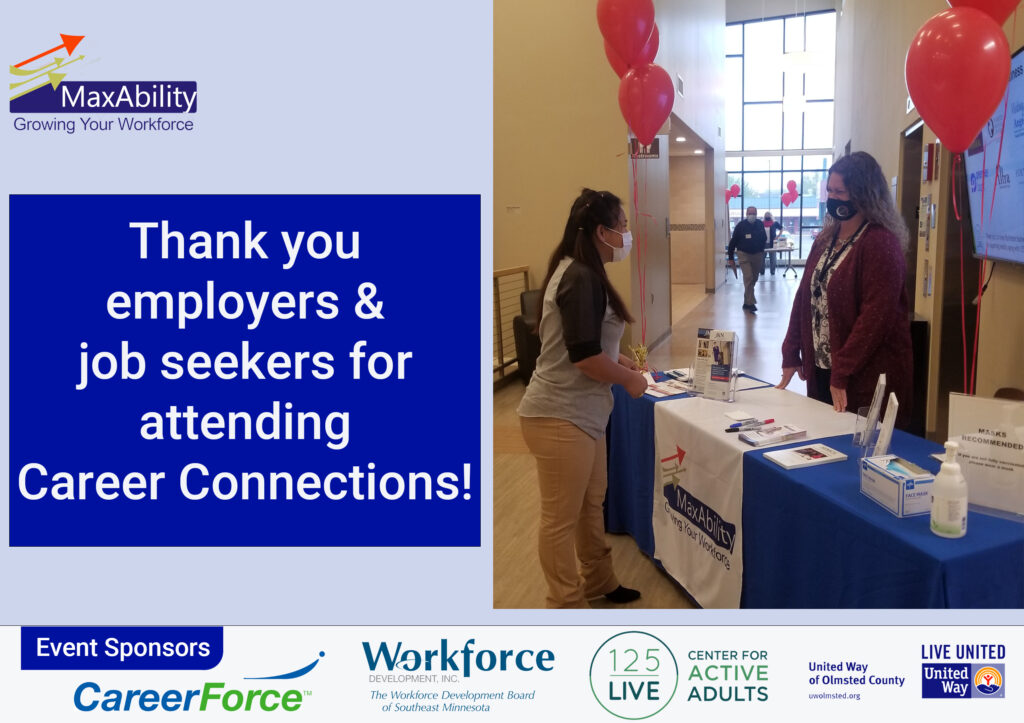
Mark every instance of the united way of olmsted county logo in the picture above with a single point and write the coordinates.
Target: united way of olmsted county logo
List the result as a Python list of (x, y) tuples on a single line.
[(963, 671), (633, 675), (39, 84)]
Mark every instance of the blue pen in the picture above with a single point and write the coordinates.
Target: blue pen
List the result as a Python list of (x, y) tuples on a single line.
[(744, 423)]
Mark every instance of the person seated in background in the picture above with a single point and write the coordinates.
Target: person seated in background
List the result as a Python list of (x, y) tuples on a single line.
[(849, 321), (774, 230)]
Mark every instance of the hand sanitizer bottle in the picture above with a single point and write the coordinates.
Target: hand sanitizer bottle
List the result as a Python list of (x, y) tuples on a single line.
[(949, 497)]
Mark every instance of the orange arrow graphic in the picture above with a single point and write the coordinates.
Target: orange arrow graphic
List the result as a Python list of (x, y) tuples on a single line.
[(70, 42), (679, 453)]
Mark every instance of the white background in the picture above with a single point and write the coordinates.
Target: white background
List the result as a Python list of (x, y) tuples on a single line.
[(340, 683)]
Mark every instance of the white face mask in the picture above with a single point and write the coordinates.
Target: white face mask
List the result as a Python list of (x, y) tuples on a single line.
[(751, 217), (618, 254)]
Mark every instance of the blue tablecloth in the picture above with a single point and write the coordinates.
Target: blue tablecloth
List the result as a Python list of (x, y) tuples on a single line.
[(630, 499), (812, 540)]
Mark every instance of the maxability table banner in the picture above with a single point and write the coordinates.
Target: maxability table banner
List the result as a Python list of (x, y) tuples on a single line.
[(225, 370), (515, 673)]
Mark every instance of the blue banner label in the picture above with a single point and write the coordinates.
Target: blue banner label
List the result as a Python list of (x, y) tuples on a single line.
[(245, 370)]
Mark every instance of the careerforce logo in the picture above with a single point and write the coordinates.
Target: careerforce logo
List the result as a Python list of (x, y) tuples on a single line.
[(90, 696), (462, 660)]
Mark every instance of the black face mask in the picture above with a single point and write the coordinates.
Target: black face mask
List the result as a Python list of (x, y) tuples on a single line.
[(841, 210)]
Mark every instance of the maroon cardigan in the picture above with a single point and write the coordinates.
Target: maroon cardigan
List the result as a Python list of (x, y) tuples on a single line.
[(868, 323)]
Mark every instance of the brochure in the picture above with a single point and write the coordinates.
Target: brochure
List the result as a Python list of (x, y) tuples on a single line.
[(714, 362), (807, 456), (774, 434)]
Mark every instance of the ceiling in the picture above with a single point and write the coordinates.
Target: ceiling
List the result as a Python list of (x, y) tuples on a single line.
[(687, 147)]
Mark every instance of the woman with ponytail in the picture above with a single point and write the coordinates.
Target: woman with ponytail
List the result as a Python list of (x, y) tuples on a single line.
[(567, 403)]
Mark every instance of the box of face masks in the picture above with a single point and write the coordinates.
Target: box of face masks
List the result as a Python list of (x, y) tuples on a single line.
[(899, 486)]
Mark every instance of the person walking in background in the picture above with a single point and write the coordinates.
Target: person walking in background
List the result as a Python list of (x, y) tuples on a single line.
[(773, 228), (566, 406), (849, 321), (748, 242)]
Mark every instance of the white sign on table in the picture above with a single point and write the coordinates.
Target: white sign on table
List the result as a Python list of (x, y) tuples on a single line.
[(698, 495), (991, 454)]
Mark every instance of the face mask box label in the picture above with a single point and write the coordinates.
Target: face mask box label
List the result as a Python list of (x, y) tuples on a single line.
[(899, 486)]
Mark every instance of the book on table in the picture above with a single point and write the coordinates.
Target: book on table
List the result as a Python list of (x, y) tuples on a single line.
[(772, 434), (806, 456)]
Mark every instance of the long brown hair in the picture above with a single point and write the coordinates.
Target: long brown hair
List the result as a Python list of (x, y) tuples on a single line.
[(590, 210)]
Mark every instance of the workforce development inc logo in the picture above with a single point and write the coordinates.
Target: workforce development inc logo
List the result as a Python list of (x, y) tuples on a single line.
[(39, 86), (213, 695), (409, 678)]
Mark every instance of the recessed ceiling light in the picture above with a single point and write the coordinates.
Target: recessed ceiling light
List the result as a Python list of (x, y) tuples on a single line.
[(681, 139), (698, 152)]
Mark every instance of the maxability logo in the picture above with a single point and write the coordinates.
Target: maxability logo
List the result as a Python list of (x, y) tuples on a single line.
[(213, 695), (38, 85)]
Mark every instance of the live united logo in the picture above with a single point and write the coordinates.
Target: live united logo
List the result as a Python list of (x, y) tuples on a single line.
[(963, 670)]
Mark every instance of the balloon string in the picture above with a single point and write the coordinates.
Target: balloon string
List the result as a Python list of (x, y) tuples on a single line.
[(641, 260), (984, 256), (643, 289), (957, 158)]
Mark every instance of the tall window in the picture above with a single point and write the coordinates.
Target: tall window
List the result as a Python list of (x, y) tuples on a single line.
[(780, 81)]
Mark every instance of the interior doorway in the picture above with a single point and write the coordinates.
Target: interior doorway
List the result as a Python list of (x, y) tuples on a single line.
[(909, 194), (689, 222)]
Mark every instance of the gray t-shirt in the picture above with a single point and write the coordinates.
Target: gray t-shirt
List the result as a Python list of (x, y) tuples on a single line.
[(576, 323)]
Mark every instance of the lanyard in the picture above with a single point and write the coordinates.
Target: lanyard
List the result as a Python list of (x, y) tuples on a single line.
[(831, 256)]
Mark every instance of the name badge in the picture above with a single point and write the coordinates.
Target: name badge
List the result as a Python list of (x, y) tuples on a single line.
[(748, 235)]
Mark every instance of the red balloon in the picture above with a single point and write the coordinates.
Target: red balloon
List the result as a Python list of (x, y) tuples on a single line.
[(626, 25), (728, 195), (735, 189), (645, 98), (998, 10), (646, 55), (791, 185), (957, 69)]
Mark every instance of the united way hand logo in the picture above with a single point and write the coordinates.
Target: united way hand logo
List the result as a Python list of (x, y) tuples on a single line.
[(988, 681)]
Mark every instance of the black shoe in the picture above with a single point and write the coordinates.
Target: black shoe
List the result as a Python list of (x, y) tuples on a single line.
[(621, 595)]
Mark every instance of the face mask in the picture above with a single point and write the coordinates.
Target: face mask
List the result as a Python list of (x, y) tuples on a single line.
[(841, 210), (627, 243), (751, 218)]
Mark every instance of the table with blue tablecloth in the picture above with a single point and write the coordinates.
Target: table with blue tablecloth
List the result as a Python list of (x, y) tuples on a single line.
[(811, 539)]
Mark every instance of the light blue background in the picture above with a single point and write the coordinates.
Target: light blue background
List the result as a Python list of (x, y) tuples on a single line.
[(352, 97), (328, 97)]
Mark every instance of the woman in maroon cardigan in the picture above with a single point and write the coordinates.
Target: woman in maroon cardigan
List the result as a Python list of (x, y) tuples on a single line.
[(849, 321)]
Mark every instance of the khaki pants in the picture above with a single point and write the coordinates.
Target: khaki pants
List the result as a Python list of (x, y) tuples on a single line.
[(750, 266), (572, 470)]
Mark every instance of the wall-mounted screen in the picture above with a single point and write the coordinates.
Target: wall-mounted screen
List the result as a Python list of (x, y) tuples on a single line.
[(998, 225)]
